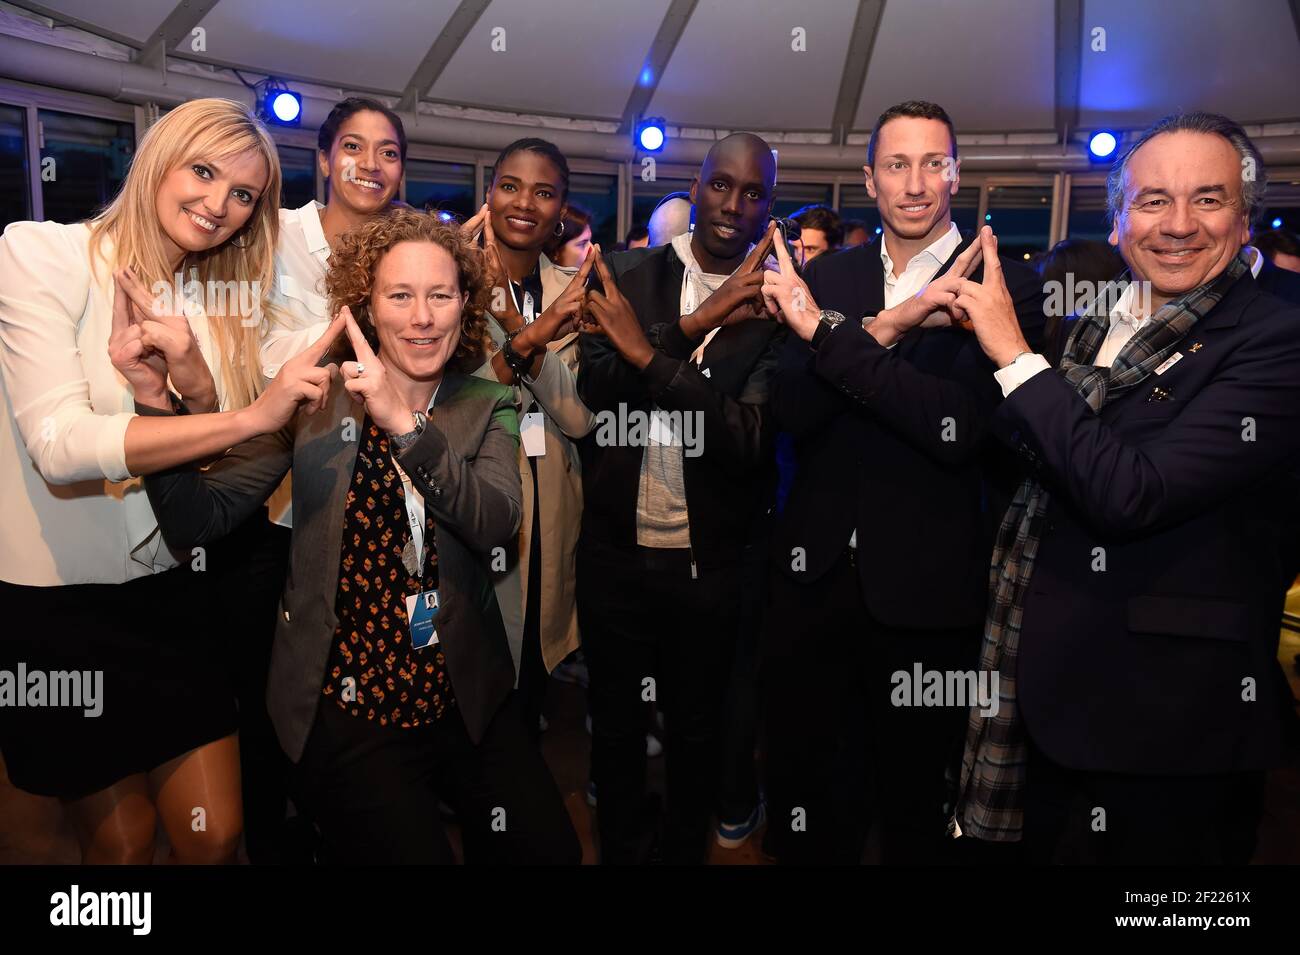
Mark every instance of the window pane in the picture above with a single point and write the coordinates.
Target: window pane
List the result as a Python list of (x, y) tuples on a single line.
[(1021, 217), (90, 156), (599, 196), (441, 186), (15, 201), (298, 172), (1088, 213)]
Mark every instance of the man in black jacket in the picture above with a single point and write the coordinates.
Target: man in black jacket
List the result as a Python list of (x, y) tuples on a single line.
[(882, 552), (674, 476), (1136, 573)]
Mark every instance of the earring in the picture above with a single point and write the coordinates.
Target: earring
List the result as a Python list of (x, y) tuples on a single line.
[(559, 228)]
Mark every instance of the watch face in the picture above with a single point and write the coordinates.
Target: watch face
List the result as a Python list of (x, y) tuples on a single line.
[(832, 317)]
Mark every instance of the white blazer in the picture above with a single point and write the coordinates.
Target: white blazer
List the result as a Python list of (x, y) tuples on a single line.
[(72, 512)]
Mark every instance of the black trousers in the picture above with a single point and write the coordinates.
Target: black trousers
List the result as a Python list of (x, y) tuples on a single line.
[(1077, 817), (648, 627), (249, 568), (373, 792), (839, 753)]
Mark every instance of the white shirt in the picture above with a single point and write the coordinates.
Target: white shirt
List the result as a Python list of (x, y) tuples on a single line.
[(920, 269), (301, 305), (1124, 324), (919, 272), (73, 514)]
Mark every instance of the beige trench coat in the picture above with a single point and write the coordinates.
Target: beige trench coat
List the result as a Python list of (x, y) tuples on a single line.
[(559, 476)]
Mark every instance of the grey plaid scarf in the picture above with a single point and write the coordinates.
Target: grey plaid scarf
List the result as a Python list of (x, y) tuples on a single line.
[(993, 765)]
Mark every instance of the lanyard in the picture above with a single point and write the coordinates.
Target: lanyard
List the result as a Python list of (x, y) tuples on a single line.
[(414, 501), (527, 307)]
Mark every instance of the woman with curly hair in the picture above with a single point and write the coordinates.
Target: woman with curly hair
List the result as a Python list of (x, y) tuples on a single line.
[(391, 677)]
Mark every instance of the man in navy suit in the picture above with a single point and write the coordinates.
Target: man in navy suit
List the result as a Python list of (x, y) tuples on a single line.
[(881, 555), (1135, 600)]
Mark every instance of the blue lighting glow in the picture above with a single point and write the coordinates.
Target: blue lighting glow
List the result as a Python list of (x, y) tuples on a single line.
[(877, 230), (1102, 145), (286, 106), (650, 135), (988, 217), (1277, 223), (445, 216), (647, 76)]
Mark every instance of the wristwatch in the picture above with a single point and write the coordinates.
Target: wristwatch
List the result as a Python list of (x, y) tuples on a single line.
[(403, 441), (827, 322)]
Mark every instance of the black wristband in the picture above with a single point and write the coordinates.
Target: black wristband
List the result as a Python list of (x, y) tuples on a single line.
[(514, 361), (820, 335)]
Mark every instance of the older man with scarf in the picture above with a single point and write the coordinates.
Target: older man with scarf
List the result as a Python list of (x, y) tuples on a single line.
[(1133, 614)]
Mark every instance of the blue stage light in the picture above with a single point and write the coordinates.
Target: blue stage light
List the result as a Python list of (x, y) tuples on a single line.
[(281, 106), (1102, 144), (445, 216), (1277, 223), (651, 134)]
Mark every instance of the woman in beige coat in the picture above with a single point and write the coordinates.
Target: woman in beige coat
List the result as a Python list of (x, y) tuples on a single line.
[(533, 346)]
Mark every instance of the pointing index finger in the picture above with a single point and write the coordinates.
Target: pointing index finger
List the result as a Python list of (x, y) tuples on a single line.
[(783, 258), (321, 346)]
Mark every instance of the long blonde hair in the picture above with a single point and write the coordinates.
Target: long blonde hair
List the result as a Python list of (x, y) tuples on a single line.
[(210, 130)]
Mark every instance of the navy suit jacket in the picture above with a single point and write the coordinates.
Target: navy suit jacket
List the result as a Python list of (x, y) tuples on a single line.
[(1150, 632), (894, 442)]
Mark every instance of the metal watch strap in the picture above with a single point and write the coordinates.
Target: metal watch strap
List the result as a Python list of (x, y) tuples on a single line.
[(403, 441)]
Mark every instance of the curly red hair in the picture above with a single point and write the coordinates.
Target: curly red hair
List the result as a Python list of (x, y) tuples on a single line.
[(351, 276)]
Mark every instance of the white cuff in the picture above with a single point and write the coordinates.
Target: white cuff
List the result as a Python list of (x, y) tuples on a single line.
[(1020, 371)]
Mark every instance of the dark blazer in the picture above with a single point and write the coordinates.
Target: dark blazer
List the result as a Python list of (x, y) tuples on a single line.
[(1139, 668), (466, 466), (1281, 282), (871, 429), (728, 485)]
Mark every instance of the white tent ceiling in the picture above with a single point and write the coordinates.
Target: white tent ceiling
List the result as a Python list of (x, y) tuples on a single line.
[(996, 65)]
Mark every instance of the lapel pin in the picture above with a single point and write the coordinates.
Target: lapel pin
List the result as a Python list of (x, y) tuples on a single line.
[(1195, 348)]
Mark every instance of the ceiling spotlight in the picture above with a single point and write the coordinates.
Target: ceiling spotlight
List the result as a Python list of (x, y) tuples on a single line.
[(1102, 144), (651, 134)]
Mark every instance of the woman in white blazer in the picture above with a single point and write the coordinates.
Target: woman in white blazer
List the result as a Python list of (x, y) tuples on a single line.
[(122, 708)]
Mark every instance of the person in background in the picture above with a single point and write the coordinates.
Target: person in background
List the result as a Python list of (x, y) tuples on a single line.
[(391, 684), (568, 249), (671, 217), (855, 232), (85, 332), (532, 346), (1281, 246), (638, 237), (820, 232), (1064, 267), (1275, 263)]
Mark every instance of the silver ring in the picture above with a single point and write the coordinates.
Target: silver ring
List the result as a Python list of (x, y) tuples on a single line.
[(361, 369)]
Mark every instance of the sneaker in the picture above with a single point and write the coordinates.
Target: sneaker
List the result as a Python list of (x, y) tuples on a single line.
[(734, 835)]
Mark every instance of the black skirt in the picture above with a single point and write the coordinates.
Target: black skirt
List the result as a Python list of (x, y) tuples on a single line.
[(134, 676)]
